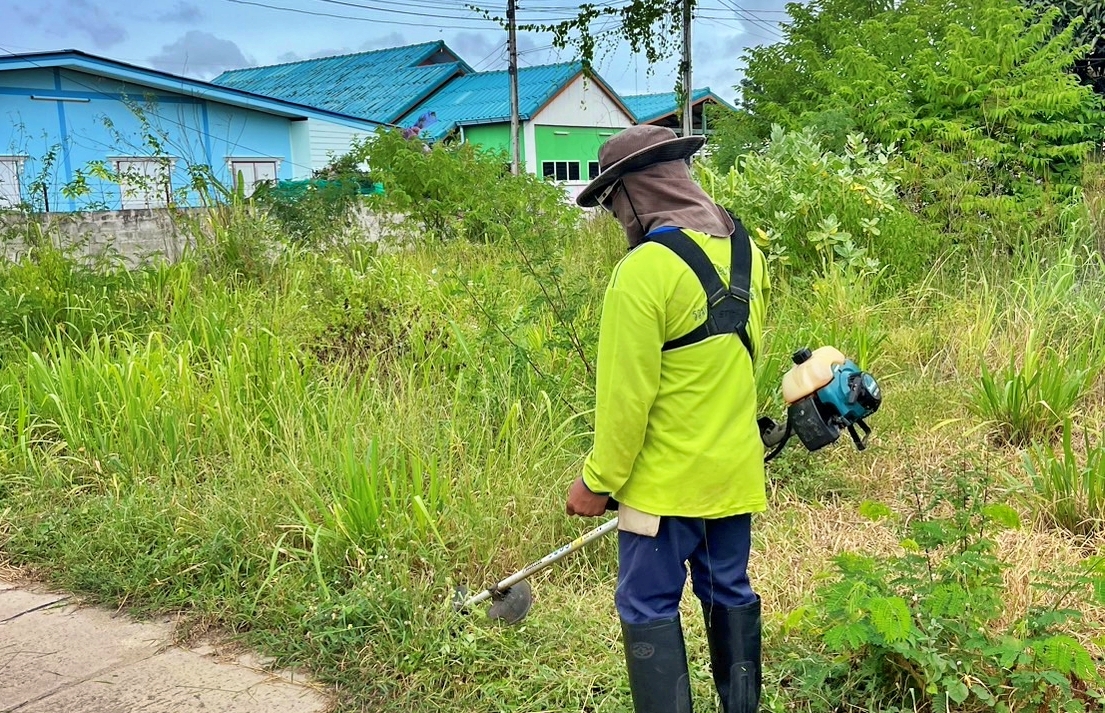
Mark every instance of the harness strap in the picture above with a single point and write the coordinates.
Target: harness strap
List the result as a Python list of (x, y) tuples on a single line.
[(727, 308)]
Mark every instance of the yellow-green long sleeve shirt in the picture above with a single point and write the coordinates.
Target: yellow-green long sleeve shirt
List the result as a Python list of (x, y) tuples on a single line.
[(675, 431)]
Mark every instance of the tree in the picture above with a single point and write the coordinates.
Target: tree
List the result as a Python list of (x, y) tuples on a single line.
[(650, 27), (977, 93), (1090, 16)]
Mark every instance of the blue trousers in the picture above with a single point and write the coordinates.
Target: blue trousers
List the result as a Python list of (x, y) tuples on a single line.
[(653, 570)]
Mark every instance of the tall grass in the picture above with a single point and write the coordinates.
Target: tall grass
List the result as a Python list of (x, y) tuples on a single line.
[(1037, 390), (311, 449), (1071, 483)]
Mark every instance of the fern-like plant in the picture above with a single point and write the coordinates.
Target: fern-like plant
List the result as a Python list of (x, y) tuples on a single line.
[(927, 629)]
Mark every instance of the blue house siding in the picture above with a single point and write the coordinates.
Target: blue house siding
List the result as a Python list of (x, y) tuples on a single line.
[(63, 113), (102, 121)]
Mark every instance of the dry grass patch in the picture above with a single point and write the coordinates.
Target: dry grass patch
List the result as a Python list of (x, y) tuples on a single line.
[(795, 547), (1030, 553)]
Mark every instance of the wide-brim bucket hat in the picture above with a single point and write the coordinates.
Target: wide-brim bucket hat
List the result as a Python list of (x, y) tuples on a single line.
[(634, 149)]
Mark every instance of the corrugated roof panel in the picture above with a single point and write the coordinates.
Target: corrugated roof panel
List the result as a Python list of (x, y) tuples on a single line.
[(152, 78), (380, 85), (647, 107), (484, 98)]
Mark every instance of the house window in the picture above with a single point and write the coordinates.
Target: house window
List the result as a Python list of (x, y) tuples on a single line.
[(144, 182), (252, 172), (592, 170), (10, 196), (560, 170)]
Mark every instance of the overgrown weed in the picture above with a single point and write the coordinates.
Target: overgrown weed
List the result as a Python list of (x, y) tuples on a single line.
[(311, 448)]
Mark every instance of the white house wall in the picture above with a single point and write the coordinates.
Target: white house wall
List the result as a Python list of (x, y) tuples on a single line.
[(584, 103), (330, 141), (529, 139)]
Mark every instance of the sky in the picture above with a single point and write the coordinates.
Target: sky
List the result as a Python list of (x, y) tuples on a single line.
[(201, 38)]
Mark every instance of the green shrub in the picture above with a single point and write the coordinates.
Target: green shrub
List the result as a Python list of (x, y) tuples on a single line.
[(362, 306), (1032, 395), (1073, 493), (809, 208), (235, 241), (452, 190), (313, 214), (921, 631), (52, 293), (978, 95)]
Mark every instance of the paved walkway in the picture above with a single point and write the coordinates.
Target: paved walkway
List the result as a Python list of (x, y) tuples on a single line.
[(56, 656)]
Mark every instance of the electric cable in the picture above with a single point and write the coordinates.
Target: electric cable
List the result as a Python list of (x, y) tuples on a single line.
[(374, 20), (745, 15), (439, 15)]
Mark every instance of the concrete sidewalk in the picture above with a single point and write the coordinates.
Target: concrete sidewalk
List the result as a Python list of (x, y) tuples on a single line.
[(56, 656)]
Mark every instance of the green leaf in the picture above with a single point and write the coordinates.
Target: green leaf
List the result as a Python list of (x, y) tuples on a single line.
[(983, 694), (1003, 515), (891, 618), (874, 511), (1099, 589), (958, 691), (910, 545), (795, 619)]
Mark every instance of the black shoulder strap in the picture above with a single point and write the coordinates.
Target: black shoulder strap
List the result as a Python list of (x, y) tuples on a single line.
[(727, 308)]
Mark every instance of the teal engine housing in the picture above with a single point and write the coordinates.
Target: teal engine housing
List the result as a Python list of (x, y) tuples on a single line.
[(841, 405)]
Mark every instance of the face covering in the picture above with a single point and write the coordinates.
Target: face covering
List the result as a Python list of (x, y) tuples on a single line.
[(664, 194)]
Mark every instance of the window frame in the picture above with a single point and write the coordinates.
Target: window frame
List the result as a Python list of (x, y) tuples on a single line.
[(152, 196), (16, 162), (253, 160), (562, 171)]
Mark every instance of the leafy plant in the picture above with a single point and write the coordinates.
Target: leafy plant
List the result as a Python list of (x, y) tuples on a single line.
[(977, 95), (458, 190), (810, 208), (49, 293), (1073, 492), (922, 630), (1032, 395), (370, 495)]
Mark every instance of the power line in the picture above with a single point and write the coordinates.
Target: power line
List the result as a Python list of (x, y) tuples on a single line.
[(484, 62), (443, 16), (351, 17), (741, 30), (745, 15)]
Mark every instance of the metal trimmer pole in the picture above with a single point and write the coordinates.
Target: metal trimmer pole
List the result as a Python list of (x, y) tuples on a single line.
[(576, 544)]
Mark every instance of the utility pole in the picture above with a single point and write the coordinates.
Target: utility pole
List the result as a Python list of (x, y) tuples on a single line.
[(512, 50), (688, 117)]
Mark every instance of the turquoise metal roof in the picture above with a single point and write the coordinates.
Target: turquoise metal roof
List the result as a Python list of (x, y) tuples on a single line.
[(484, 98), (650, 107), (162, 81), (381, 85)]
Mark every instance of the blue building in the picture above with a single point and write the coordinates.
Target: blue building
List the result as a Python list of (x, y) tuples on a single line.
[(381, 85), (81, 132), (664, 110)]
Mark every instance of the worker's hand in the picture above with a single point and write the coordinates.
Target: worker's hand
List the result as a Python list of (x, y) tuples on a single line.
[(581, 501)]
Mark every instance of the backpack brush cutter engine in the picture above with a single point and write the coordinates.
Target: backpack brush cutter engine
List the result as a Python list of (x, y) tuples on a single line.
[(826, 394)]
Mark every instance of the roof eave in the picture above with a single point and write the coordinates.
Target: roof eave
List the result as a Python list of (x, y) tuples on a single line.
[(665, 114), (77, 60)]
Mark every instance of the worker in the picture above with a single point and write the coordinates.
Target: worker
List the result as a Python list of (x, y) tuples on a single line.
[(677, 446)]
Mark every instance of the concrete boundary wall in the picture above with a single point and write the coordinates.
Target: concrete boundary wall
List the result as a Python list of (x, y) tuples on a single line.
[(134, 235), (138, 236)]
